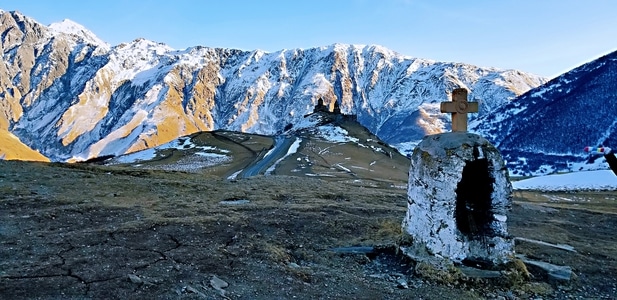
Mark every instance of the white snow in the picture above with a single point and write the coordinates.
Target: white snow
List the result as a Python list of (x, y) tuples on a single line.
[(406, 148), (269, 152), (292, 149), (319, 175), (139, 60), (587, 180), (136, 156), (235, 175), (148, 154), (69, 27), (152, 69), (200, 159), (193, 163), (343, 168), (335, 134), (308, 122)]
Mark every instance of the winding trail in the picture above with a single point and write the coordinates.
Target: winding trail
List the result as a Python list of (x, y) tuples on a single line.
[(266, 158)]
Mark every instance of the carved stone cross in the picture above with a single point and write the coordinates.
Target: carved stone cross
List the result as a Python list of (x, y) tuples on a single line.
[(459, 107)]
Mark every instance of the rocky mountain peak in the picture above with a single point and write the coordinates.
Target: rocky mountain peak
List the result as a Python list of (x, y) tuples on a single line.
[(71, 97), (72, 28)]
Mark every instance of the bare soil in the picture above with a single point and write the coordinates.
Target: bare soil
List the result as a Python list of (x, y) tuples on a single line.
[(91, 232)]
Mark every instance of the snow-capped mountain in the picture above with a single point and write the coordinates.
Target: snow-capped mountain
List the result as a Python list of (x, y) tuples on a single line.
[(546, 129), (81, 33), (71, 96)]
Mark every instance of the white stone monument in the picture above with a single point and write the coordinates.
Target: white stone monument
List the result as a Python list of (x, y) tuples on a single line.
[(459, 196)]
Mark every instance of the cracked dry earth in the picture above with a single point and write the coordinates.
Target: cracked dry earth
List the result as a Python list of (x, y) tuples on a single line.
[(86, 232)]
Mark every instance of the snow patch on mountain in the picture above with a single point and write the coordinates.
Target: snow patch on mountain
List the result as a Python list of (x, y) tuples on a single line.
[(138, 61), (82, 101), (334, 134), (551, 124), (70, 27)]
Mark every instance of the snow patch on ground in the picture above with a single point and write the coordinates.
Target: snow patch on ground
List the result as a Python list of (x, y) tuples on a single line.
[(193, 163), (292, 149), (202, 158), (309, 121), (151, 153), (318, 175), (335, 134), (586, 180), (136, 157), (235, 175)]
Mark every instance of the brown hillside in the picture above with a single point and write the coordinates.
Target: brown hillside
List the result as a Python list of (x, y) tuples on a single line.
[(11, 148)]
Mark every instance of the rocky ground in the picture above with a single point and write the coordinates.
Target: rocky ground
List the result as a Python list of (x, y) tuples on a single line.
[(80, 231)]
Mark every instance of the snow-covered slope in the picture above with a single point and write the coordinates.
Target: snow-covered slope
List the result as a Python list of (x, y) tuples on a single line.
[(576, 181), (69, 95), (69, 27), (546, 129)]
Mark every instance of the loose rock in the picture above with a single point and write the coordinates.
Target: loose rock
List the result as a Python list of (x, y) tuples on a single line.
[(135, 279), (218, 284)]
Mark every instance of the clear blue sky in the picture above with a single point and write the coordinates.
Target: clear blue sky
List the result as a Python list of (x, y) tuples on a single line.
[(544, 37)]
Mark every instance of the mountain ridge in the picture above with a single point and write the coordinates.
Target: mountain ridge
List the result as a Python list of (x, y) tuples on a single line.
[(74, 100), (545, 129)]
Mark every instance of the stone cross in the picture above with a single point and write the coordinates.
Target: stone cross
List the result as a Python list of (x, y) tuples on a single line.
[(459, 107)]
